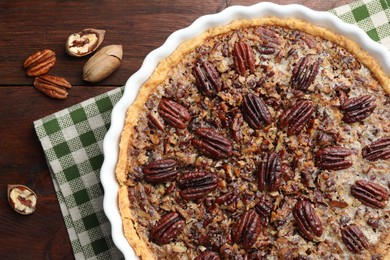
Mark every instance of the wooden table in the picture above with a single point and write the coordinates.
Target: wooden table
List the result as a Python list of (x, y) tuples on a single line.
[(26, 27)]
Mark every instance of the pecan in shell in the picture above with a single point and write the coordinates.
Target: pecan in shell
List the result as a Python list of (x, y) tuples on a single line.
[(370, 194), (256, 112), (354, 239), (264, 209), (309, 224), (160, 171), (39, 63), (380, 149), (247, 229), (296, 116), (270, 173), (52, 86), (357, 109), (207, 78), (333, 158), (196, 185), (173, 113), (167, 228), (303, 74), (208, 255), (212, 144), (243, 58)]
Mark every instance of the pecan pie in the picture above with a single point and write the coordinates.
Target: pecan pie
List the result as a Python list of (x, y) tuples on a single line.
[(263, 139)]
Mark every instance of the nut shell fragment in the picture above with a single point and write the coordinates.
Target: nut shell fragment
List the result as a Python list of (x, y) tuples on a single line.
[(103, 63), (21, 198), (85, 42)]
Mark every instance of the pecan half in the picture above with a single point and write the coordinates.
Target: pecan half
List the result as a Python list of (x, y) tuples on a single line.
[(256, 112), (303, 74), (208, 255), (167, 228), (370, 194), (354, 239), (266, 49), (357, 109), (207, 78), (154, 122), (380, 149), (212, 144), (264, 209), (270, 173), (296, 116), (309, 224), (227, 198), (196, 185), (39, 63), (160, 171), (173, 113), (247, 229), (333, 158), (52, 86), (243, 58), (268, 36)]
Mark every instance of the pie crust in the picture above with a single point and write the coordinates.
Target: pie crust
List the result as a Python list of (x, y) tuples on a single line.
[(137, 235)]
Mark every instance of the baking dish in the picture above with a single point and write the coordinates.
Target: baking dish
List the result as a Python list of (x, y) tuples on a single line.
[(111, 141)]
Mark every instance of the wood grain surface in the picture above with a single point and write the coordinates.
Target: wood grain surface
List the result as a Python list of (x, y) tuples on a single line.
[(29, 26)]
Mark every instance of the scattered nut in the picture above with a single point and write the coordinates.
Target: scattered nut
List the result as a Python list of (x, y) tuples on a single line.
[(54, 87), (85, 42), (22, 199), (39, 63), (103, 63)]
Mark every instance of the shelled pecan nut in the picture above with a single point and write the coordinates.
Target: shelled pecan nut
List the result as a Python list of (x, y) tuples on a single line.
[(52, 86), (196, 185), (207, 78), (160, 171), (303, 74), (270, 173), (247, 229), (39, 63), (173, 113), (154, 122), (167, 228), (309, 224), (264, 209), (357, 109), (208, 255), (212, 144), (296, 116), (333, 158), (370, 194), (324, 138), (256, 112), (268, 36), (266, 49), (243, 58), (380, 149), (227, 198), (354, 239)]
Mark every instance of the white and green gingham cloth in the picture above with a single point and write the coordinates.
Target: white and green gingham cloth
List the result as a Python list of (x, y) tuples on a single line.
[(72, 141)]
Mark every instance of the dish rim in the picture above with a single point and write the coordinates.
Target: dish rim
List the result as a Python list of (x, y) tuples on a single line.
[(200, 25)]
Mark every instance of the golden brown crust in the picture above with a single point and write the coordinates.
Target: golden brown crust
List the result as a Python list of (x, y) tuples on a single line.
[(141, 246)]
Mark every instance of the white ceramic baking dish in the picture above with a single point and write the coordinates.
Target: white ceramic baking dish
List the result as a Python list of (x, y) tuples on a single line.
[(133, 84)]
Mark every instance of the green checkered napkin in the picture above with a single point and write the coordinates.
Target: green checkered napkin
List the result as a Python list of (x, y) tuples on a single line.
[(72, 142)]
